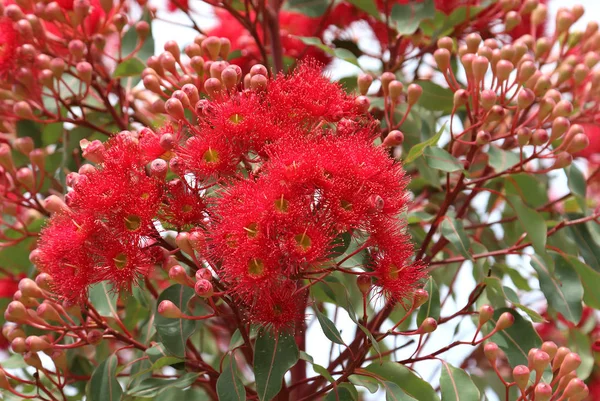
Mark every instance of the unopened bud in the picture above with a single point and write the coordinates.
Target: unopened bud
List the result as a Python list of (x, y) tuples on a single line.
[(364, 82), (24, 145), (394, 138), (488, 99), (169, 310), (18, 345), (54, 204), (183, 242), (560, 125), (461, 97), (23, 110), (258, 82), (159, 168), (539, 15), (174, 108), (77, 49), (29, 288), (32, 359), (420, 297), (94, 337), (445, 43), (442, 59), (486, 312), (179, 275), (395, 89), (525, 98), (539, 361), (578, 143), (563, 159), (229, 77), (211, 46), (576, 386), (505, 321), (491, 352), (559, 357), (429, 325), (512, 20), (543, 392), (35, 344), (414, 93), (569, 364), (550, 348), (84, 72), (225, 48), (47, 312), (539, 137), (26, 178), (480, 67), (203, 274), (92, 151), (521, 376), (203, 288)]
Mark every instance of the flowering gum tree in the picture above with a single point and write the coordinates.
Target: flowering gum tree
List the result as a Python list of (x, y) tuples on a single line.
[(219, 220)]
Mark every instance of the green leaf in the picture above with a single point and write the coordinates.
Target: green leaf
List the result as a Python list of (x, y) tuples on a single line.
[(529, 188), (52, 133), (31, 129), (310, 8), (364, 381), (393, 392), (153, 386), (439, 159), (229, 385), (435, 97), (431, 308), (409, 382), (502, 160), (580, 343), (517, 340), (588, 247), (418, 149), (561, 286), (273, 357), (343, 392), (104, 299), (532, 222), (129, 68), (577, 184), (408, 17), (331, 332), (367, 6), (103, 384), (454, 232), (589, 279), (456, 385), (173, 333), (320, 370), (340, 53)]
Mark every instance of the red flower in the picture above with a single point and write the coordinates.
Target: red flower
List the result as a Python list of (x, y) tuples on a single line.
[(593, 133), (9, 285), (8, 46), (174, 5)]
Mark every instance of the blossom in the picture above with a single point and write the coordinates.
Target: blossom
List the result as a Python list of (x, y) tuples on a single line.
[(8, 46)]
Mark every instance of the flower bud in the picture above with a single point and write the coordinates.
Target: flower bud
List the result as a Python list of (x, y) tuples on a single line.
[(179, 275), (14, 332), (525, 98), (394, 138), (540, 361), (6, 159), (442, 59), (24, 145), (505, 321), (26, 178), (152, 84), (203, 274), (94, 337), (92, 151), (84, 72), (225, 48), (29, 288), (550, 348), (461, 97), (512, 20), (364, 82), (525, 71), (385, 79), (480, 67), (32, 359), (578, 143), (539, 137), (486, 312), (18, 345), (546, 106), (172, 47), (483, 138), (543, 392), (491, 352), (169, 310), (47, 312), (503, 70), (59, 358), (77, 49), (570, 363), (560, 125), (211, 46), (429, 325), (414, 93), (203, 288), (258, 69), (197, 64), (563, 159), (419, 298), (23, 110), (183, 242), (521, 376), (54, 204), (488, 99), (229, 78), (576, 386), (35, 344), (174, 108), (445, 43), (539, 15), (258, 82), (395, 89)]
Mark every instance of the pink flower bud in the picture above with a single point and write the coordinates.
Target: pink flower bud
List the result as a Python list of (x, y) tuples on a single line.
[(183, 242), (491, 352), (525, 98), (26, 178), (488, 99), (174, 108), (258, 82), (229, 77), (429, 325), (486, 312), (152, 84), (364, 283), (543, 392), (419, 298), (563, 159), (505, 321), (77, 49), (413, 94), (54, 204), (43, 280), (213, 86), (461, 97), (182, 97), (364, 82), (578, 143), (503, 70), (258, 69), (32, 359), (483, 138), (363, 103), (35, 344), (168, 63), (23, 110), (473, 41), (385, 79), (539, 137), (446, 43), (169, 310), (192, 93), (442, 59), (92, 151), (395, 89), (29, 288), (6, 159), (480, 67), (47, 312), (197, 241), (575, 387), (16, 312), (563, 108), (550, 348), (19, 346), (203, 274), (94, 337), (211, 46), (394, 138), (172, 47), (203, 288), (225, 48), (569, 364), (24, 145), (159, 169), (521, 376)]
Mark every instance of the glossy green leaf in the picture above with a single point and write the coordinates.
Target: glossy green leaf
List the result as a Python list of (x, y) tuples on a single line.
[(104, 299), (561, 285), (435, 97), (367, 382), (528, 187), (456, 385), (342, 392), (454, 232), (418, 149), (517, 340), (310, 8), (368, 6), (153, 386), (173, 333), (328, 327), (229, 385), (274, 355), (409, 382), (320, 370), (394, 392), (439, 159), (407, 17), (580, 343), (577, 184), (103, 384), (588, 247), (431, 308), (532, 222), (502, 160), (589, 279), (129, 68)]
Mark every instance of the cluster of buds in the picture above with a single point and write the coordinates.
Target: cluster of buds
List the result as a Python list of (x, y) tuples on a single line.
[(550, 373)]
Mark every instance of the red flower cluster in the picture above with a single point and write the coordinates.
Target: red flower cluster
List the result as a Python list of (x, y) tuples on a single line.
[(271, 179), (8, 46)]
